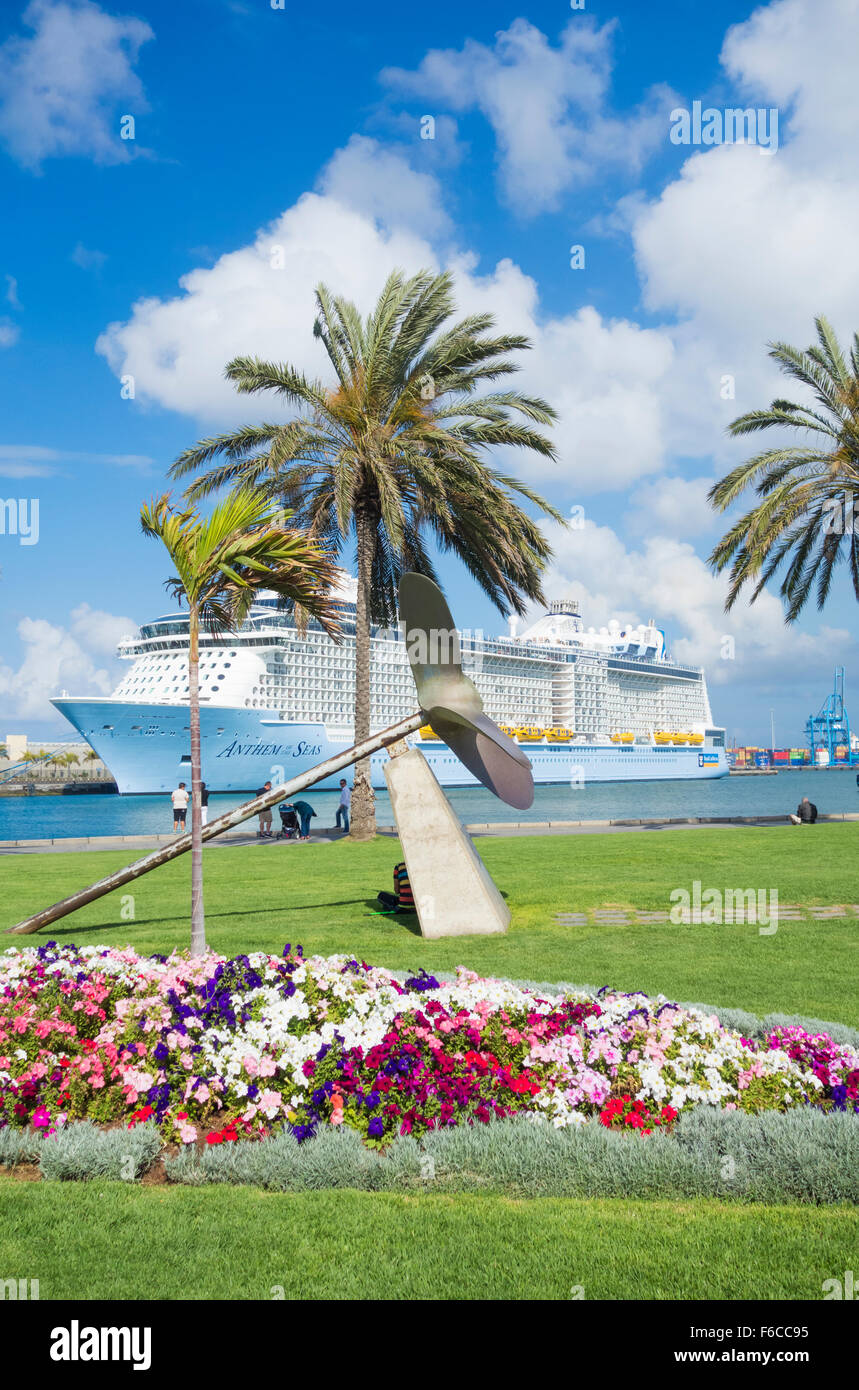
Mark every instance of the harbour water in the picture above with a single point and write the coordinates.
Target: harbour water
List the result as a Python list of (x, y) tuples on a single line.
[(53, 817)]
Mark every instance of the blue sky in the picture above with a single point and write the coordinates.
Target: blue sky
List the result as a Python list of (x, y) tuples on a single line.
[(299, 129)]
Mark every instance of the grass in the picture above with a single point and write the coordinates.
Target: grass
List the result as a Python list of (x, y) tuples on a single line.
[(258, 897), (245, 1244), (179, 1243)]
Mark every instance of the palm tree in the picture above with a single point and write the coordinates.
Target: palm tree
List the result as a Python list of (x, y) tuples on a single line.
[(392, 454), (221, 562), (67, 760), (805, 517)]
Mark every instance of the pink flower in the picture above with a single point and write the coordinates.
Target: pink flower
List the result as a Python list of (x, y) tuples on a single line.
[(188, 1134), (250, 1065), (269, 1103)]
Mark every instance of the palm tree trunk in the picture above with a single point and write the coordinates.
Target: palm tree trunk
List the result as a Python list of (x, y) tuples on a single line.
[(363, 817), (198, 923)]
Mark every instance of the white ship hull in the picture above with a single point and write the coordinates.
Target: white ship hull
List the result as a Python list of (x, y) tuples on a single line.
[(147, 749)]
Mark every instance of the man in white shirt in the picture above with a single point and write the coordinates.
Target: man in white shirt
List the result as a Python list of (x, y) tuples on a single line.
[(345, 803), (180, 807)]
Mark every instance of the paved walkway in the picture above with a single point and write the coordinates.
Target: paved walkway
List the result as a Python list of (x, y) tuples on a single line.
[(233, 839), (632, 916)]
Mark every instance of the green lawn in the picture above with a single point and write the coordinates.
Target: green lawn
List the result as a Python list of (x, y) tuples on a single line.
[(179, 1242), (259, 897), (113, 1241)]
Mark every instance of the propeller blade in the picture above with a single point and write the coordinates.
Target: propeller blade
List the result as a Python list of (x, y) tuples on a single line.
[(452, 702)]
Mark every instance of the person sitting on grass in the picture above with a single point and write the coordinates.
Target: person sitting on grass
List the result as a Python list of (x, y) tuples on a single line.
[(806, 813), (402, 898)]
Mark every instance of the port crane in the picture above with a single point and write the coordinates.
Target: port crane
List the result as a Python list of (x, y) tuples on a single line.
[(828, 731)]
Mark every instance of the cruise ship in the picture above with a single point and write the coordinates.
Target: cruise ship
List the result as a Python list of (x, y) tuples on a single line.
[(586, 706)]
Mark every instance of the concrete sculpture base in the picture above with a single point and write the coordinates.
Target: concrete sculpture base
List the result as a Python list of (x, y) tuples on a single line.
[(453, 891)]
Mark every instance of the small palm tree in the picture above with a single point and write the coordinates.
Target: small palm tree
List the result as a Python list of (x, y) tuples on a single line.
[(805, 517), (222, 561), (392, 454)]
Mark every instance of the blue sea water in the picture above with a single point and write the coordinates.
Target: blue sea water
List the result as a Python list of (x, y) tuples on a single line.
[(55, 817)]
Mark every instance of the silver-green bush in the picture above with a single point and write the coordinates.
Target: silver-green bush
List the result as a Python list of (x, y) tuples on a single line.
[(18, 1146), (83, 1150)]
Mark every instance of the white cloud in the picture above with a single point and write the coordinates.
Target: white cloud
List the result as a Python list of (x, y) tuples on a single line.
[(744, 249), (738, 249), (803, 57), (671, 506), (99, 632), (33, 460), (665, 580), (381, 184), (548, 106), (86, 258), (57, 658), (9, 332), (25, 470), (258, 300), (603, 376), (63, 90), (12, 292)]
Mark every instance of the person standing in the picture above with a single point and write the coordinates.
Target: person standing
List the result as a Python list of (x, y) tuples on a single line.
[(304, 811), (265, 815), (343, 808), (180, 807), (204, 803)]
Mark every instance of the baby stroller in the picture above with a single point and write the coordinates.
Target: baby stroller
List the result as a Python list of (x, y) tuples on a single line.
[(288, 823)]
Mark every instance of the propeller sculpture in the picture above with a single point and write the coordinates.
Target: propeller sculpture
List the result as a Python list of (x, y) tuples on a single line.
[(448, 700), (451, 701)]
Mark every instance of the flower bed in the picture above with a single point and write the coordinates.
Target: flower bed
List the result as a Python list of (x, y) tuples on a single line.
[(235, 1049)]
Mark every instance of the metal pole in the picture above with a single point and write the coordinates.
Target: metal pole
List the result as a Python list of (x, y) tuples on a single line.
[(217, 827)]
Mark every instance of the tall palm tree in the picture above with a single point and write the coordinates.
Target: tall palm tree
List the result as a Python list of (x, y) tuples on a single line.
[(221, 562), (91, 757), (805, 517), (392, 454), (68, 760)]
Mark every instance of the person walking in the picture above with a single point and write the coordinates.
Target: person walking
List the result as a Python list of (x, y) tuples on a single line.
[(204, 803), (304, 811), (343, 808), (180, 807), (265, 815)]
